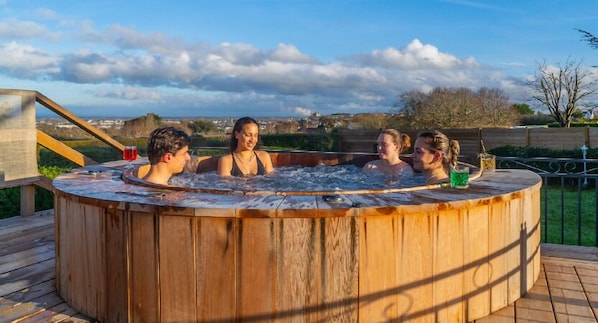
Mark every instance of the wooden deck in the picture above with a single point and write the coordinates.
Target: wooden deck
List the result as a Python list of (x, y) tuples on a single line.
[(567, 290)]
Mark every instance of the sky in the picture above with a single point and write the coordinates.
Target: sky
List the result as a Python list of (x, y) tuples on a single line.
[(280, 58)]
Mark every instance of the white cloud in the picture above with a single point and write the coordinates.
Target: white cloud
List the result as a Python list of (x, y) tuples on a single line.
[(26, 61), (282, 80), (416, 56), (302, 111), (46, 13), (290, 54), (18, 29), (129, 93)]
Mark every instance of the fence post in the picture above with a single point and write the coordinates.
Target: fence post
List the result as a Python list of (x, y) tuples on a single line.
[(27, 199)]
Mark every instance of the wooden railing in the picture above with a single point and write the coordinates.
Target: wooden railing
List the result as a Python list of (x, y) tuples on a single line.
[(62, 149), (27, 202)]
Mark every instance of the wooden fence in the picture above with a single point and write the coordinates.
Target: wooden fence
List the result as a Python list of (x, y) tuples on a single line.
[(364, 140)]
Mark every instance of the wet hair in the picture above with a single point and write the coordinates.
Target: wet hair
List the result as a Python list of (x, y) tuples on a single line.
[(440, 142), (166, 140), (239, 124), (400, 139)]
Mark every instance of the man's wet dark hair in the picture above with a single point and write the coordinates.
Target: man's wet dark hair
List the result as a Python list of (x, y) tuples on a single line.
[(166, 140)]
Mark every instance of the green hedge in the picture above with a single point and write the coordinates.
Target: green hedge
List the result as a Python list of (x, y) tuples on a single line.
[(312, 142), (514, 151), (575, 124), (10, 198)]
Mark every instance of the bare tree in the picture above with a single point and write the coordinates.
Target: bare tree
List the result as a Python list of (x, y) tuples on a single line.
[(561, 89), (497, 109), (375, 120), (589, 38), (454, 108)]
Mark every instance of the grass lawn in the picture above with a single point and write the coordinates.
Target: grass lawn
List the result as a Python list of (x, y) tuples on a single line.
[(564, 217)]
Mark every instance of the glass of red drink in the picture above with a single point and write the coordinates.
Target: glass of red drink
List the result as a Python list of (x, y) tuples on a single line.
[(130, 154)]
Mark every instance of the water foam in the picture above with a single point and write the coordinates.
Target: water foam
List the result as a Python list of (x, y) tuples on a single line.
[(300, 179)]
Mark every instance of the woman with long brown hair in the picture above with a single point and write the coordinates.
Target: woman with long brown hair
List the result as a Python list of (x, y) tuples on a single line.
[(244, 160)]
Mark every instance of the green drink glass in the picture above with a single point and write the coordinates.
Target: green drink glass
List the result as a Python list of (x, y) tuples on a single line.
[(459, 176)]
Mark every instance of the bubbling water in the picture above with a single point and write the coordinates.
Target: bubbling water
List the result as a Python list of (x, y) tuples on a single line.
[(300, 179)]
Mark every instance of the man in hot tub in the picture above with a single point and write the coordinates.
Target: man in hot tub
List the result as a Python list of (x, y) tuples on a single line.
[(168, 152)]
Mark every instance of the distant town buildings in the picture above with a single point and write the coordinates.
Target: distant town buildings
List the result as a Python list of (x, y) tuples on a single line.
[(142, 126), (98, 123)]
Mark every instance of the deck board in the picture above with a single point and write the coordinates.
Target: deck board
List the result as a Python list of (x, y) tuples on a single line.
[(566, 290)]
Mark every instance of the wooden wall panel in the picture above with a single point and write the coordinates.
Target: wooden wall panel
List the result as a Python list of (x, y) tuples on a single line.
[(514, 256), (216, 248), (448, 264), (298, 269), (117, 298), (592, 137), (531, 215), (497, 238), (499, 137), (378, 279), (416, 267), (339, 279), (94, 272), (477, 270), (143, 275), (256, 287), (557, 138), (177, 268), (76, 266)]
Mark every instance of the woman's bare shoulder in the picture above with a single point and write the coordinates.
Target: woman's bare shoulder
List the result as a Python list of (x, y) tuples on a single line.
[(225, 158), (262, 154)]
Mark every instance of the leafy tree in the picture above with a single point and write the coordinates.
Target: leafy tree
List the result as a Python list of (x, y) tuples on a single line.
[(561, 89), (203, 126), (523, 109)]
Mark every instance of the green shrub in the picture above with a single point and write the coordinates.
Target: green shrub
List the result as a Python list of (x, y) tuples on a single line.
[(312, 142), (10, 198), (525, 152), (9, 202), (536, 119)]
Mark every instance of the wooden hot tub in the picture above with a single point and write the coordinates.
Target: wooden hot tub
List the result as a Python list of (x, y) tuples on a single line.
[(140, 253)]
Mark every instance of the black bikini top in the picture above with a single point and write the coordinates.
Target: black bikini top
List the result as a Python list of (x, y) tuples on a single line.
[(236, 171)]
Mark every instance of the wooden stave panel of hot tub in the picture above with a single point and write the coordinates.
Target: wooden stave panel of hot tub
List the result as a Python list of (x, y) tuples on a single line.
[(301, 257)]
